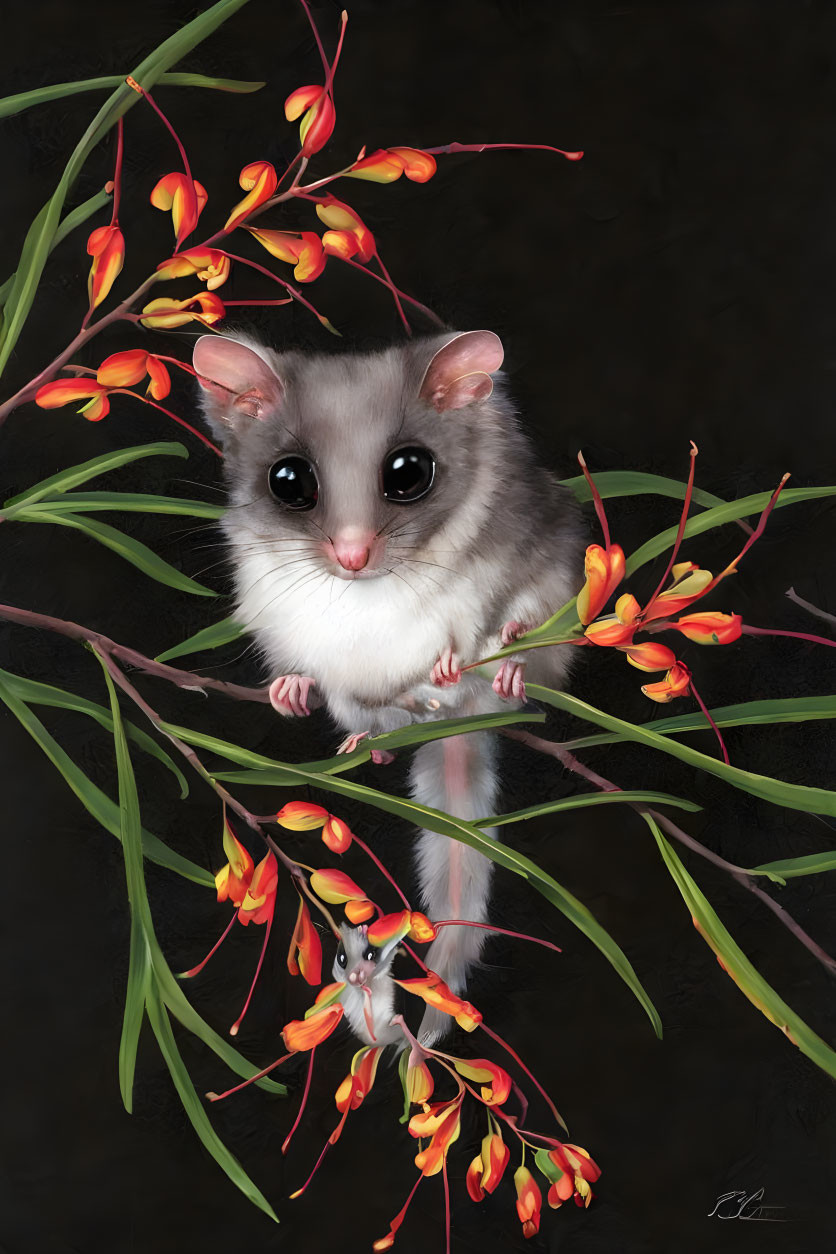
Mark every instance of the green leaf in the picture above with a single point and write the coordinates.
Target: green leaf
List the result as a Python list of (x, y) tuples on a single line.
[(64, 480), (741, 508), (96, 802), (793, 796), (130, 825), (748, 979), (614, 483), (446, 825), (41, 234), (11, 105), (136, 992), (212, 637), (809, 864), (194, 1108), (588, 799), (35, 693), (131, 550), (127, 502), (769, 711), (547, 1166)]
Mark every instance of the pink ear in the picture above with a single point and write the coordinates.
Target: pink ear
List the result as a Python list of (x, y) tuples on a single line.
[(459, 373), (235, 376)]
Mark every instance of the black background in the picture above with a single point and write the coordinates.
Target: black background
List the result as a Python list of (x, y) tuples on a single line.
[(676, 284)]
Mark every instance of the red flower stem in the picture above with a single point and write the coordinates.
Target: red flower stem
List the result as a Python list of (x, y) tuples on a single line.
[(388, 280), (495, 1037), (710, 720), (680, 531), (271, 275), (489, 927), (316, 1167), (428, 313), (457, 147), (596, 500), (381, 868), (743, 876), (326, 67), (187, 975), (117, 171), (298, 1118), (416, 1047), (174, 417), (329, 75), (259, 1075), (756, 534), (446, 1203), (288, 300), (414, 956), (175, 361), (148, 97), (233, 1031), (401, 1215), (795, 635)]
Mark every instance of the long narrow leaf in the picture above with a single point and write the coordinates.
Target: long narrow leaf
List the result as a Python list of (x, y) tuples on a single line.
[(42, 232), (457, 829), (769, 711), (615, 483), (779, 792), (588, 799), (64, 480), (748, 979), (808, 864), (11, 105), (131, 550), (73, 219), (224, 632), (195, 1110), (128, 502), (136, 993), (35, 693), (96, 802)]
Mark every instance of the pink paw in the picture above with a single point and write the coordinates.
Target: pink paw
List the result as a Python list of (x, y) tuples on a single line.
[(382, 757), (351, 742), (510, 681), (289, 694), (512, 631), (447, 670)]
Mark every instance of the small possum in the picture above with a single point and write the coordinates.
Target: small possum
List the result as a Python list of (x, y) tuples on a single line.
[(369, 996), (388, 524)]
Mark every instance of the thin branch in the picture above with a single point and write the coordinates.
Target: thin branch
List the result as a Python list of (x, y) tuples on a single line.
[(809, 607)]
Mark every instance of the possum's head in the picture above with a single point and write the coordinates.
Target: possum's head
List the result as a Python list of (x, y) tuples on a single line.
[(358, 962)]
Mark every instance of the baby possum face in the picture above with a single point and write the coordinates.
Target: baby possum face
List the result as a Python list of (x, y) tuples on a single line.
[(369, 995), (347, 463), (356, 959)]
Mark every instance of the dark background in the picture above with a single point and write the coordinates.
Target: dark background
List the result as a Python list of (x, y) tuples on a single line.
[(676, 284)]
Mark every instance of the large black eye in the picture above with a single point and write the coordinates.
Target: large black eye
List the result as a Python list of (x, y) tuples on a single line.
[(341, 958), (293, 482), (408, 474), (370, 955)]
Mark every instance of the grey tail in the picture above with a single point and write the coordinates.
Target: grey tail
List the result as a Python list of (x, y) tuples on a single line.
[(457, 775)]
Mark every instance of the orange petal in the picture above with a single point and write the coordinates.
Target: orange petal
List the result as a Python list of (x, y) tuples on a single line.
[(260, 901), (301, 816), (389, 927), (609, 632), (96, 409), (300, 100), (335, 887), (65, 391), (675, 684), (383, 166), (106, 246), (711, 628), (122, 370), (421, 929), (303, 1034), (436, 993), (317, 125), (305, 941), (418, 166), (649, 656), (160, 384), (473, 1180), (604, 570), (358, 911), (336, 834), (260, 180)]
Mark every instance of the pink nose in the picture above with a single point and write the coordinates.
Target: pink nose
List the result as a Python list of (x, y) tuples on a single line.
[(351, 556)]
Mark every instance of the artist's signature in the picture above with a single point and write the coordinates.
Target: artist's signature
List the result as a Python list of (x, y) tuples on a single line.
[(741, 1205)]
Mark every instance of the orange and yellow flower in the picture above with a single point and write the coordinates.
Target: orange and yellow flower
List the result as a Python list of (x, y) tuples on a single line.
[(301, 1035), (301, 816), (303, 250), (494, 1081), (106, 245), (259, 180), (209, 264), (675, 684), (570, 1171), (184, 198), (233, 880), (305, 953), (488, 1168), (388, 164), (442, 1123), (317, 125), (358, 1083), (260, 898), (358, 911), (125, 369), (436, 993), (335, 887), (347, 236), (604, 571), (710, 628), (529, 1201), (166, 313), (66, 391)]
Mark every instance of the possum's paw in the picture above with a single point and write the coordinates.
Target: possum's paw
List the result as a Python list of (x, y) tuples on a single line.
[(289, 694)]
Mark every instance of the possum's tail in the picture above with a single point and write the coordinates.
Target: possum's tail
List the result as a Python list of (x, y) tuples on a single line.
[(457, 775)]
